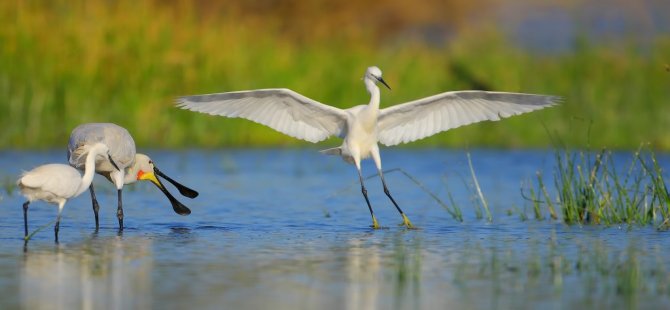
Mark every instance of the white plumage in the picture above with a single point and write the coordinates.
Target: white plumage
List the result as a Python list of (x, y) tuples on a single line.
[(362, 127), (281, 109), (56, 183), (52, 183), (425, 117)]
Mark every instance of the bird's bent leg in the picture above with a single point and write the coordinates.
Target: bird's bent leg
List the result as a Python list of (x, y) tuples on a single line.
[(375, 224), (96, 206), (378, 162), (25, 218), (119, 211), (405, 219)]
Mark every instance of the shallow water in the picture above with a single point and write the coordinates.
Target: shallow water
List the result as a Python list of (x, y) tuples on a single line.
[(289, 229)]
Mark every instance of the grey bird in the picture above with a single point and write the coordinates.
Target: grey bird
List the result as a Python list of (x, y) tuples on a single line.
[(132, 166)]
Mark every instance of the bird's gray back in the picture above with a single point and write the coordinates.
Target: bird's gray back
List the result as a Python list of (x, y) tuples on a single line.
[(118, 139)]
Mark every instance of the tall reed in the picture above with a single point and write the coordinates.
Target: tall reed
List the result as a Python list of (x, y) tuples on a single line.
[(590, 189)]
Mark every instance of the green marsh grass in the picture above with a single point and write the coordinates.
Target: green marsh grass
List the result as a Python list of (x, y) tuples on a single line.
[(478, 190), (590, 190), (63, 63)]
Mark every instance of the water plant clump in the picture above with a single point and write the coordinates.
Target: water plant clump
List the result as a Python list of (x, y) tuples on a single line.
[(590, 190)]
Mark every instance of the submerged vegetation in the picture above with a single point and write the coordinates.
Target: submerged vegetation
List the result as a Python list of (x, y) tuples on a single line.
[(628, 274), (63, 63)]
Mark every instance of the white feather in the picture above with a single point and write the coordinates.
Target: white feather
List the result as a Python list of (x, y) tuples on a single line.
[(416, 118), (281, 109)]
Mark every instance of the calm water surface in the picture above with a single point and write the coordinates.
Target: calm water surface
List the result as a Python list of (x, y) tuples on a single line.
[(287, 229)]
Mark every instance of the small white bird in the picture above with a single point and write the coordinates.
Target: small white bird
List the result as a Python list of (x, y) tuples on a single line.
[(363, 126), (56, 183), (134, 166)]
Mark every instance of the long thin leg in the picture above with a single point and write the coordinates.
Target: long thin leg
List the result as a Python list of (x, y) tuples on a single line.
[(96, 206), (405, 219), (375, 224), (25, 217), (119, 211), (378, 162), (57, 226)]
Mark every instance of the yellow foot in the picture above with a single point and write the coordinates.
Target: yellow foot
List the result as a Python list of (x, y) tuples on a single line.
[(375, 224), (406, 222)]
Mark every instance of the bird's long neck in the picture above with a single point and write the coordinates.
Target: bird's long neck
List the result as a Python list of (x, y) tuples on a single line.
[(374, 93), (89, 172)]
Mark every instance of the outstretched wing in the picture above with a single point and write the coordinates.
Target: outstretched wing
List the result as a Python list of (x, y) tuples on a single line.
[(425, 117), (280, 109)]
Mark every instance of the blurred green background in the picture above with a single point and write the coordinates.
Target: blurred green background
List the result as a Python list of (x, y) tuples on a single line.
[(63, 63)]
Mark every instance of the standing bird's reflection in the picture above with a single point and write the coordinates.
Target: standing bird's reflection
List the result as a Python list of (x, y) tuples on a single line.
[(100, 274)]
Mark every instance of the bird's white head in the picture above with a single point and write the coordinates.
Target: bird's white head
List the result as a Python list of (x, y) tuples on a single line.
[(144, 168), (374, 74)]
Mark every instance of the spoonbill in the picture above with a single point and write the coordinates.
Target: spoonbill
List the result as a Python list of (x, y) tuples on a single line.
[(134, 166), (363, 126), (56, 183)]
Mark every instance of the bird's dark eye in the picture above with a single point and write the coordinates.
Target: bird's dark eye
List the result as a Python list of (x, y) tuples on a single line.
[(151, 162)]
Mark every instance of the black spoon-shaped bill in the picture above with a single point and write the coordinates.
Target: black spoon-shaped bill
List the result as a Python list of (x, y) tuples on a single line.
[(185, 191), (177, 206)]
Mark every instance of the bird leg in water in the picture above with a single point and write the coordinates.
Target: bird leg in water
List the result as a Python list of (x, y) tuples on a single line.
[(60, 210), (119, 211), (375, 224), (57, 227), (405, 220), (96, 206), (25, 217)]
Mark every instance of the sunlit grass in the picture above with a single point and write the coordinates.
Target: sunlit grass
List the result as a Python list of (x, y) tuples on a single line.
[(63, 63), (478, 190), (590, 190)]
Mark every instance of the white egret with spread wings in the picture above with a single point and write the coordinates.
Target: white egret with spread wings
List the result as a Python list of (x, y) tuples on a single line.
[(363, 126)]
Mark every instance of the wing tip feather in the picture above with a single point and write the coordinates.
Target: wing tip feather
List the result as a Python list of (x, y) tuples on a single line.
[(556, 100), (181, 102)]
